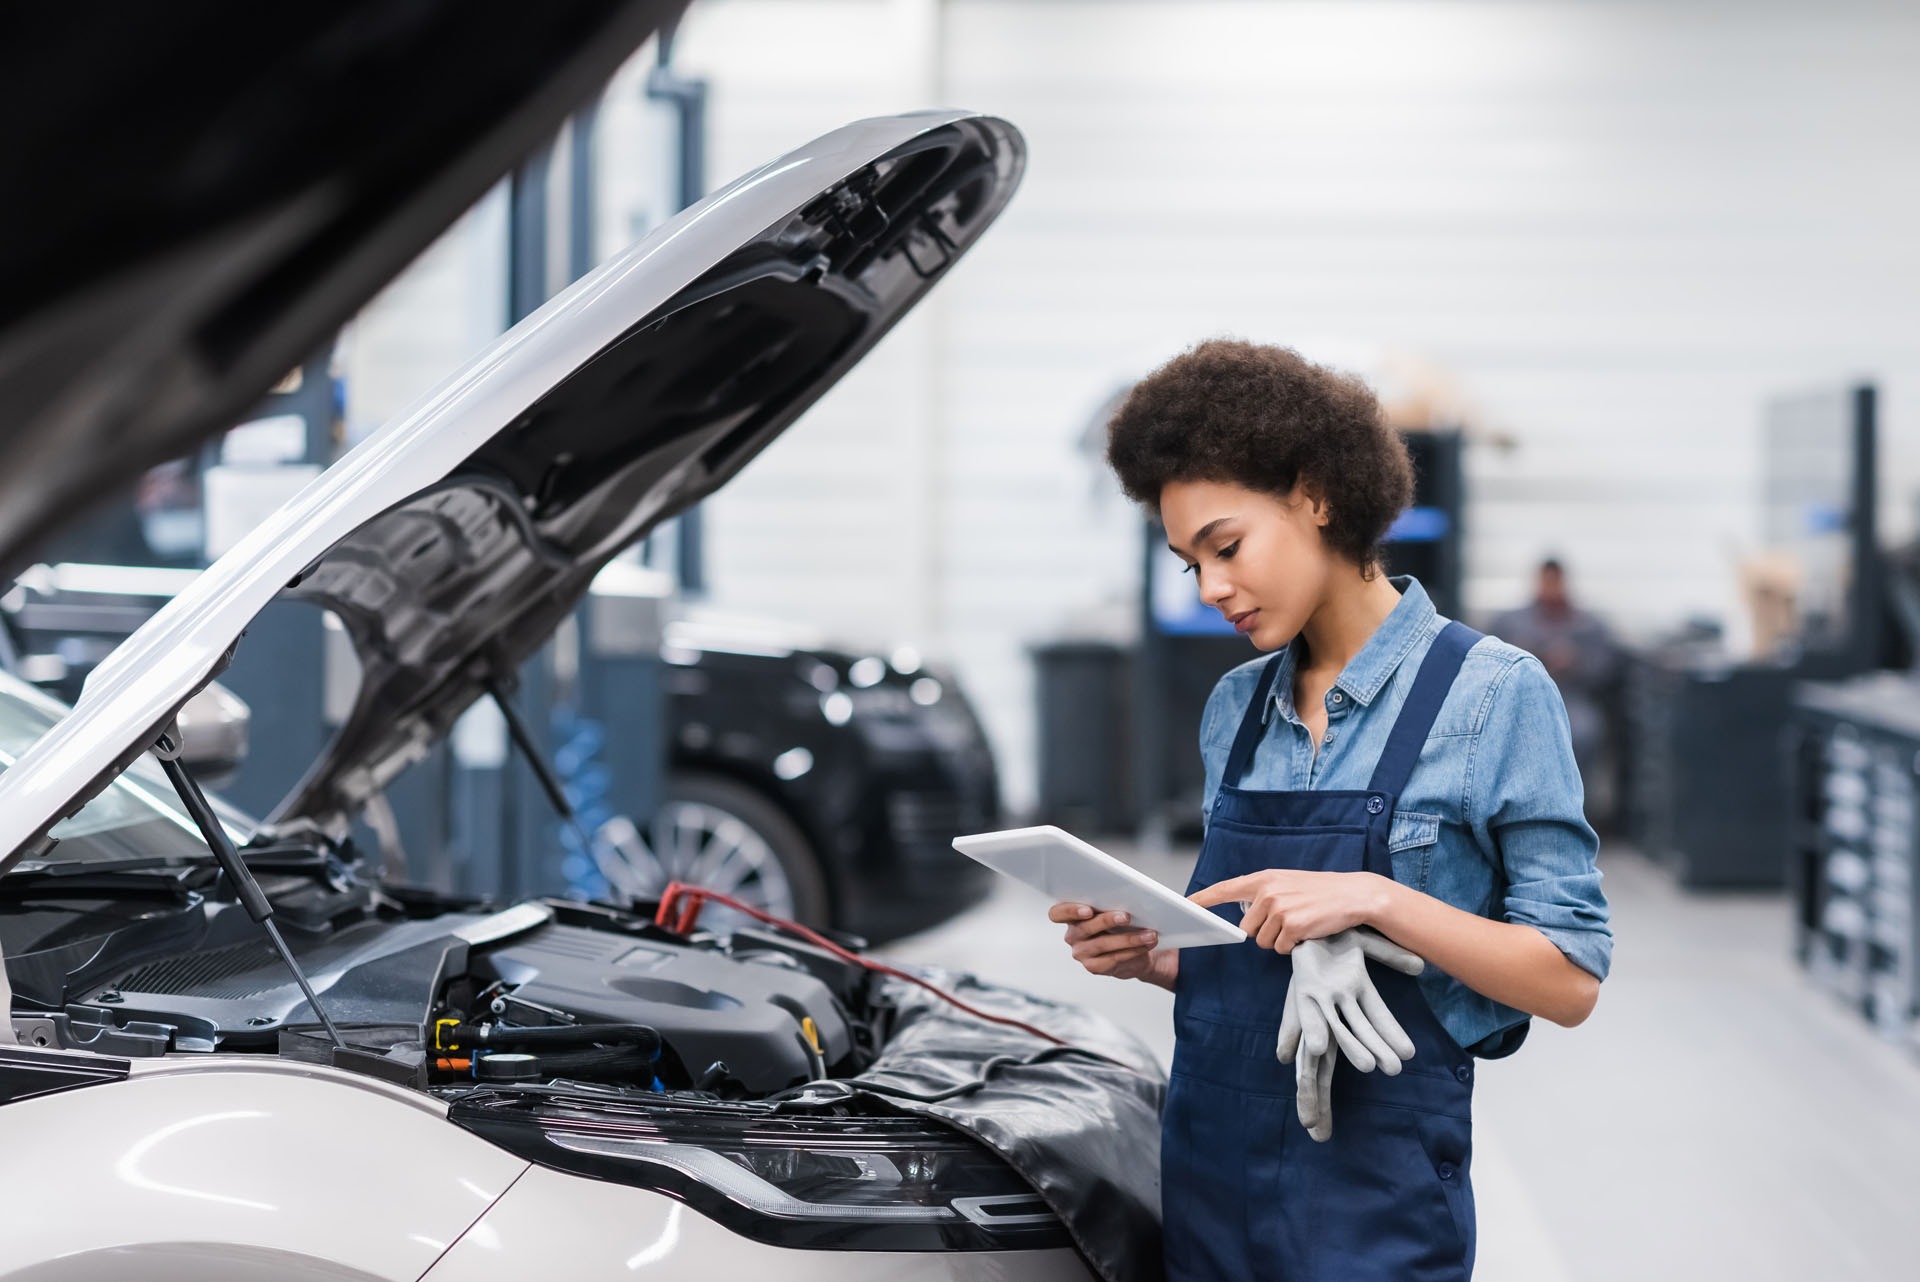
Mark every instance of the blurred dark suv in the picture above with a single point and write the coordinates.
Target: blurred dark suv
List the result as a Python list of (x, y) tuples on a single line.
[(815, 782)]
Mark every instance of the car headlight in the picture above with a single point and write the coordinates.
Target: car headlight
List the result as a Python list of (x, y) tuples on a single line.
[(849, 1184)]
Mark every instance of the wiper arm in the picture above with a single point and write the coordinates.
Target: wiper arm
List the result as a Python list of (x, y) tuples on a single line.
[(142, 873), (83, 867), (293, 857), (151, 873)]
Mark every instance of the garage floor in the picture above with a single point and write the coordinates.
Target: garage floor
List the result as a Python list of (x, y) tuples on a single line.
[(1717, 1117)]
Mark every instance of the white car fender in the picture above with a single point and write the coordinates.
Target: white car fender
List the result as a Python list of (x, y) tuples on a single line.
[(228, 1168)]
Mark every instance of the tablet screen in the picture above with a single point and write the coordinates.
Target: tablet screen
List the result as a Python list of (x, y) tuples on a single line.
[(1062, 867)]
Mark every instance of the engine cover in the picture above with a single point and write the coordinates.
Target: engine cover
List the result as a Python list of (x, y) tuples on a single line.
[(744, 1010)]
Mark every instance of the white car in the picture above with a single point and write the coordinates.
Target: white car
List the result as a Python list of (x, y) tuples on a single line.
[(235, 1054)]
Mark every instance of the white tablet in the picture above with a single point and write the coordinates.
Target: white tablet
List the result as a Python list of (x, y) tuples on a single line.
[(1063, 867)]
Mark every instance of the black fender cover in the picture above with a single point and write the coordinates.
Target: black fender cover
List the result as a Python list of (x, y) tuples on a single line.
[(1080, 1123)]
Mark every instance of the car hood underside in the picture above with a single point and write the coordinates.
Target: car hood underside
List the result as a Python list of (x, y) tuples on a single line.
[(454, 541)]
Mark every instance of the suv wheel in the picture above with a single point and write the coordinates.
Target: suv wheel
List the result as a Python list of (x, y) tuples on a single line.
[(716, 832)]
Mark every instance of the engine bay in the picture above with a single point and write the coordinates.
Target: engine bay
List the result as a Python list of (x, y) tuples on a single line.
[(560, 989)]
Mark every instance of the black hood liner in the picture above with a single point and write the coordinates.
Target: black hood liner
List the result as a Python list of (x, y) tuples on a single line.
[(1083, 1130), (199, 194)]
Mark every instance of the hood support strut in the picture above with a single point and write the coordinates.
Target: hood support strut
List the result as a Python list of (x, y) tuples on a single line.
[(245, 888), (522, 736)]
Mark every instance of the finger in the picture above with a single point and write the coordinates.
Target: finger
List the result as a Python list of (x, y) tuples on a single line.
[(1067, 911), (1350, 1046), (1112, 958), (1132, 941), (1380, 1015), (1222, 892), (1270, 928), (1387, 953), (1112, 962), (1313, 1027), (1253, 922), (1323, 1080), (1288, 1044), (1100, 924), (1383, 1057), (1309, 1098)]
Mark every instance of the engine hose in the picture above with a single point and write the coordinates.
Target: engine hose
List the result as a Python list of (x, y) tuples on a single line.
[(679, 911), (500, 1036), (597, 1061)]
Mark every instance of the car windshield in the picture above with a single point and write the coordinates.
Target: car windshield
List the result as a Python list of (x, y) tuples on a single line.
[(134, 816)]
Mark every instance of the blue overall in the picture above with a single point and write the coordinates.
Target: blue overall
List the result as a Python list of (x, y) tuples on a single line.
[(1246, 1192)]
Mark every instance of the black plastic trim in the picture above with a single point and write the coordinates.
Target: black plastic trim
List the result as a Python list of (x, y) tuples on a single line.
[(29, 1074)]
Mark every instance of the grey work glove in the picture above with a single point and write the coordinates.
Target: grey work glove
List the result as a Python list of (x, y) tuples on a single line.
[(1332, 1006)]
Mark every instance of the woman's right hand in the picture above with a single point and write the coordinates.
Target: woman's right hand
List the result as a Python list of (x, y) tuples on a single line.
[(1104, 945)]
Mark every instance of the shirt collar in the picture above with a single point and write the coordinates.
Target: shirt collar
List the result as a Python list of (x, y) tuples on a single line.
[(1362, 679)]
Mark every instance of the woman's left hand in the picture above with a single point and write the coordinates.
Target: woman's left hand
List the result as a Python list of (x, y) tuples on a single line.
[(1285, 905)]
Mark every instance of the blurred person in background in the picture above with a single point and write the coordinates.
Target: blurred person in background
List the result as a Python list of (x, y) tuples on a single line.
[(1393, 805), (1577, 651)]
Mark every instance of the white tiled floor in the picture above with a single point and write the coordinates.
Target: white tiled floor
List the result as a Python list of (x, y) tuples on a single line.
[(1716, 1118)]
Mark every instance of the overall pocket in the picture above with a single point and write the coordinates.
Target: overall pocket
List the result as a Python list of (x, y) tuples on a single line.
[(1369, 1205), (1447, 1142), (1244, 849)]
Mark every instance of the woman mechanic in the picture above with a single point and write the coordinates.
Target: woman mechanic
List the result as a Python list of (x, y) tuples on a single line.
[(1388, 795)]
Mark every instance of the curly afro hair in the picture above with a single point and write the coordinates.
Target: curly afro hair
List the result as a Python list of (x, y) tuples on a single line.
[(1265, 418)]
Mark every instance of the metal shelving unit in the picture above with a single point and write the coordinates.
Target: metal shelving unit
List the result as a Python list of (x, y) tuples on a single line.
[(1856, 844)]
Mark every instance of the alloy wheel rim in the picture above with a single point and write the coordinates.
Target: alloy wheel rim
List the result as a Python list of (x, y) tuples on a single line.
[(699, 844)]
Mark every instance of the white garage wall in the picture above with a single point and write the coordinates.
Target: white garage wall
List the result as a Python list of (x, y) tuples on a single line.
[(1622, 226)]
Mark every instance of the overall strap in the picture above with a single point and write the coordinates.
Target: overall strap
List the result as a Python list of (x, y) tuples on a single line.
[(1251, 725), (1430, 687)]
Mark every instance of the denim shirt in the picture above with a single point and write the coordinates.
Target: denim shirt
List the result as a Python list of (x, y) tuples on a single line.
[(1491, 820)]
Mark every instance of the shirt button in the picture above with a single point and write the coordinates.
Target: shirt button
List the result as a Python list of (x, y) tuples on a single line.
[(1338, 697), (1463, 1073), (1446, 1170), (1329, 738)]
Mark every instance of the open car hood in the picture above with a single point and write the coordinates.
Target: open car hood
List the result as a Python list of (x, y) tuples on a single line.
[(454, 540), (199, 195)]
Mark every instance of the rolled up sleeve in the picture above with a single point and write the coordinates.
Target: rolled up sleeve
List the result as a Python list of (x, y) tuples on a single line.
[(1527, 807)]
